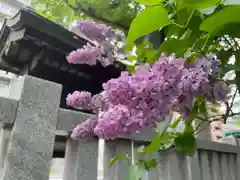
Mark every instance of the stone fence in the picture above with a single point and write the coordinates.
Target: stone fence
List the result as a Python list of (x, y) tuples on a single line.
[(31, 120)]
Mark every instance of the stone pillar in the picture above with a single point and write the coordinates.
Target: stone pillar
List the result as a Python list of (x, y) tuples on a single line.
[(81, 159), (5, 136), (31, 144), (12, 90)]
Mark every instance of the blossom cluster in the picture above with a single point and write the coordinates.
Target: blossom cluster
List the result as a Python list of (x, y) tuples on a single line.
[(88, 54), (103, 47), (135, 101), (94, 31)]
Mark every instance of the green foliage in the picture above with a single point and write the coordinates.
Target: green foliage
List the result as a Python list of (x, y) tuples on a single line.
[(117, 158), (115, 12), (135, 172), (144, 25), (158, 141), (175, 123), (150, 2), (189, 32), (221, 19), (186, 143), (56, 10), (195, 4), (148, 164)]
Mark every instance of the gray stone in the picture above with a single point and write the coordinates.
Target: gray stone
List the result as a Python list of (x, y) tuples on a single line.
[(5, 137), (31, 145), (8, 109), (120, 168), (68, 119), (212, 146), (81, 160), (70, 160)]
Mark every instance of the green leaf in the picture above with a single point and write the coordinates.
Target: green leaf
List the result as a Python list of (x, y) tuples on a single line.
[(176, 46), (186, 143), (117, 158), (176, 122), (158, 141), (149, 54), (131, 68), (174, 30), (155, 144), (132, 58), (202, 106), (149, 164), (149, 2), (135, 172), (147, 21), (188, 129), (214, 23), (181, 40), (72, 2), (192, 114), (224, 57), (196, 4), (237, 60), (231, 29), (152, 164)]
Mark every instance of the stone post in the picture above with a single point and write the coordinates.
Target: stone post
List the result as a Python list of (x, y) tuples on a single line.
[(31, 144)]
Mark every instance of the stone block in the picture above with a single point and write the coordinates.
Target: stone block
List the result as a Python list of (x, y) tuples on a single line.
[(31, 145)]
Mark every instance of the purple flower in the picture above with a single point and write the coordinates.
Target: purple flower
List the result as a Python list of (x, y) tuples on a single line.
[(87, 55), (118, 90), (80, 100), (94, 31), (116, 122), (100, 102), (105, 49), (204, 64), (133, 102), (85, 129)]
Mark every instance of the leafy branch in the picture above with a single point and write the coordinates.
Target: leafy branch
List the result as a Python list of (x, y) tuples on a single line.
[(90, 12)]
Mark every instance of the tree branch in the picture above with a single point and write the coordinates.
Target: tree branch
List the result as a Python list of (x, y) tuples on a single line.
[(235, 114), (233, 98), (92, 15), (218, 117)]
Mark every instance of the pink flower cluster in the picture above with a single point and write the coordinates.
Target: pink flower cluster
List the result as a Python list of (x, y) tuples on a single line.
[(89, 54), (94, 31), (135, 101), (101, 50)]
